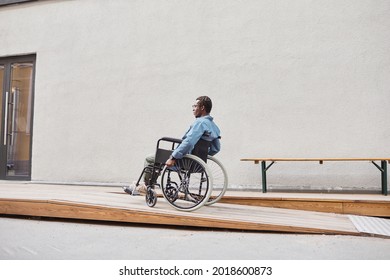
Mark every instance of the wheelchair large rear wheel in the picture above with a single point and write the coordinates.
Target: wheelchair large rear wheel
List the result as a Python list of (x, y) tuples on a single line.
[(220, 179), (188, 184)]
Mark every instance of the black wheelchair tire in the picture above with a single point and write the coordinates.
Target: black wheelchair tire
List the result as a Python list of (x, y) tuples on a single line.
[(151, 197)]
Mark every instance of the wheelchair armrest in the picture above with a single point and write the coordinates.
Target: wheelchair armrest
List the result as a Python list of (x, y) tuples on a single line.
[(174, 141), (169, 139)]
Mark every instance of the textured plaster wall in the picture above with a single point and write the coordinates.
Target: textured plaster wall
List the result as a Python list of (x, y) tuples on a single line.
[(288, 79)]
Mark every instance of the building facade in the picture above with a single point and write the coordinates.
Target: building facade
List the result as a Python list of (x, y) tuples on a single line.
[(88, 86)]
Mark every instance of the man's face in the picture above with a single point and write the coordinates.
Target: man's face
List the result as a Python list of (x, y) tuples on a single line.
[(197, 109)]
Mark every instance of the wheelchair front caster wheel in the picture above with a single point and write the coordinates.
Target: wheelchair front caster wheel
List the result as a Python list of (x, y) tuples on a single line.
[(151, 197)]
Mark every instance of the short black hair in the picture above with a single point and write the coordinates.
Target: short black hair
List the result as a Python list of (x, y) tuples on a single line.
[(206, 102)]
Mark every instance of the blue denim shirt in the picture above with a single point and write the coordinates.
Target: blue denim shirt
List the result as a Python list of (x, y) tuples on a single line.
[(202, 127)]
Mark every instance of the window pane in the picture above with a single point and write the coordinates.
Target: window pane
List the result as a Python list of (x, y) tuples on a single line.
[(2, 71), (19, 119)]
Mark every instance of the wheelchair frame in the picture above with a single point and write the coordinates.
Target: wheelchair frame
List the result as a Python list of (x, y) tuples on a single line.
[(180, 192)]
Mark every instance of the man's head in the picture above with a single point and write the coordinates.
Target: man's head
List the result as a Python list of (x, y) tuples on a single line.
[(202, 107)]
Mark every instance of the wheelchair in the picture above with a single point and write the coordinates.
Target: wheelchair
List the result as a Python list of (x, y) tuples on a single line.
[(194, 181)]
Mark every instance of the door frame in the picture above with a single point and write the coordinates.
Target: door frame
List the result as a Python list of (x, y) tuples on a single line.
[(7, 61)]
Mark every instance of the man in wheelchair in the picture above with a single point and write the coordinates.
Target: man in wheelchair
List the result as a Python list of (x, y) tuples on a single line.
[(203, 128)]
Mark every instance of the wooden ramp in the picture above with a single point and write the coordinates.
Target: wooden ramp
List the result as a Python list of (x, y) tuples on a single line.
[(375, 205), (111, 204)]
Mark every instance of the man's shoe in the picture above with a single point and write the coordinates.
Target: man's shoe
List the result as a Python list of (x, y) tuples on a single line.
[(135, 190), (128, 189)]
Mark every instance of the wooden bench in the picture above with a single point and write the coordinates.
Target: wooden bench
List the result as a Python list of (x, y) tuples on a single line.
[(382, 168)]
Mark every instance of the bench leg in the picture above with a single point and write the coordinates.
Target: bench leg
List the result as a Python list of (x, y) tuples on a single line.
[(264, 176), (384, 177)]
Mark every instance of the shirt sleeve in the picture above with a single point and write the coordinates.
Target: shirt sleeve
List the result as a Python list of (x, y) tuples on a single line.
[(189, 140)]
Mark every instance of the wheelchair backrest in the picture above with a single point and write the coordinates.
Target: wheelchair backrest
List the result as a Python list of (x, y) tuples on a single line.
[(163, 152), (201, 149)]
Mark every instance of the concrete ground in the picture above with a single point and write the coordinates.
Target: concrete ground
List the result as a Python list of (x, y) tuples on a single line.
[(44, 239)]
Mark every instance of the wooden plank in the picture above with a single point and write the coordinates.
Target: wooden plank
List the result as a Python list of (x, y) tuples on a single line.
[(327, 207), (357, 208), (367, 209), (356, 204)]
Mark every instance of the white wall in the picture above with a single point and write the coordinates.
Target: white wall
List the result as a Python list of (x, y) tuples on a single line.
[(288, 79)]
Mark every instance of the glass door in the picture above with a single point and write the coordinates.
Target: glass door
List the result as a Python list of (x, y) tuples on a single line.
[(17, 84)]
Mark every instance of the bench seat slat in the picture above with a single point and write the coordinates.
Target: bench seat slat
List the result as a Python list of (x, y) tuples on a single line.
[(314, 159)]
